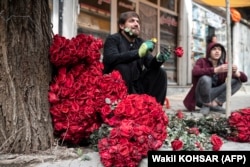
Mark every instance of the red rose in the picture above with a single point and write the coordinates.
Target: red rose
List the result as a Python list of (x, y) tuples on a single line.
[(103, 144), (243, 137), (141, 139), (156, 144), (54, 87), (106, 158), (140, 130), (180, 114), (61, 77), (194, 130), (198, 145), (53, 98), (216, 142), (234, 118), (245, 111), (58, 126), (75, 107), (178, 52), (69, 81), (177, 144), (105, 111), (242, 128), (126, 129), (123, 149)]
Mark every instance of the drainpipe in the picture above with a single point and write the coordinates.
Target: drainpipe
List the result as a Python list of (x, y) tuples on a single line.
[(60, 17)]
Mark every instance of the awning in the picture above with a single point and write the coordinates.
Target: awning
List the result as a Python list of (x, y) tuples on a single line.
[(222, 3)]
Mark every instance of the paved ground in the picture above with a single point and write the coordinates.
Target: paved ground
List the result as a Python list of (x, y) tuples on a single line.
[(240, 100)]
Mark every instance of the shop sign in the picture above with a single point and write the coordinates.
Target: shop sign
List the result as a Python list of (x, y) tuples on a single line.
[(214, 20)]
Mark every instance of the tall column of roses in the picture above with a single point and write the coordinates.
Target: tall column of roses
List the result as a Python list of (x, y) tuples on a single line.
[(79, 89)]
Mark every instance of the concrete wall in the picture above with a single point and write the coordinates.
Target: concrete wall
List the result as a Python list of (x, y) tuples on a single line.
[(241, 48)]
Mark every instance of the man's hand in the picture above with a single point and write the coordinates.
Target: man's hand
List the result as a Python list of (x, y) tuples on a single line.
[(235, 71), (220, 69), (146, 46), (163, 55), (234, 68)]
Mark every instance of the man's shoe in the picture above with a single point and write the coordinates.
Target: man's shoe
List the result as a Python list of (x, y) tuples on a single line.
[(218, 109), (204, 110)]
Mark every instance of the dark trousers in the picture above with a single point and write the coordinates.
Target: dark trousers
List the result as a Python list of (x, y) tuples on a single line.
[(205, 93), (152, 82)]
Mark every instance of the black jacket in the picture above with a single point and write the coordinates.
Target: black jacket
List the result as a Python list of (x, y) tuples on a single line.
[(118, 50)]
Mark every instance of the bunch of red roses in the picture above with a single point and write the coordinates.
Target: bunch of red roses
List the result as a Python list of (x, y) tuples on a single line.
[(239, 122), (82, 48), (82, 99), (139, 125), (79, 89)]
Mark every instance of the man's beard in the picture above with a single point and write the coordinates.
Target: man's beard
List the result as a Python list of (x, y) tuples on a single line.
[(129, 33)]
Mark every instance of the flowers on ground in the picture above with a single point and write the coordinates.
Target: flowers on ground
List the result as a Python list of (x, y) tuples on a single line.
[(187, 135), (216, 142)]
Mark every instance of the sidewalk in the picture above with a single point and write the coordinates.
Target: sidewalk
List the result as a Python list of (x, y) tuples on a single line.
[(238, 101)]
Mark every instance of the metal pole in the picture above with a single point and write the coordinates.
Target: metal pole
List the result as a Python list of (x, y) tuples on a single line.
[(229, 60)]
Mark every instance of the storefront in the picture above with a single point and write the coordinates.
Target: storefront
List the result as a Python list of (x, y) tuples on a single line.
[(159, 19), (173, 22), (205, 24)]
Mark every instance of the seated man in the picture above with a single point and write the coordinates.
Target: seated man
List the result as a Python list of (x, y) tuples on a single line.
[(209, 81), (126, 52)]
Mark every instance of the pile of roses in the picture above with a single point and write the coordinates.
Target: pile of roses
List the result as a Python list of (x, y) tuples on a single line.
[(139, 125), (82, 99), (79, 89), (239, 122)]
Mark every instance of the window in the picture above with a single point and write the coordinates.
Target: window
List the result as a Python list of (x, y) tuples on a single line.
[(153, 1), (169, 4), (159, 20), (94, 18), (148, 15), (168, 33), (124, 6)]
